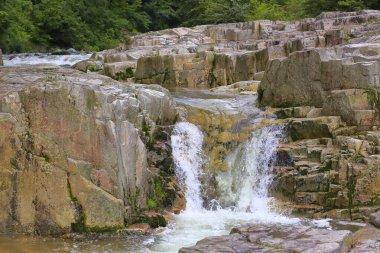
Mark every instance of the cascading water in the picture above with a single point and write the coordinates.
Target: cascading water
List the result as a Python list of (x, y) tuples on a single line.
[(251, 199), (32, 59), (187, 140), (254, 169)]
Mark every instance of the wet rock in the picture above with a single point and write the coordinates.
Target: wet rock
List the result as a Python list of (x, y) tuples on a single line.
[(89, 66), (269, 238), (1, 58)]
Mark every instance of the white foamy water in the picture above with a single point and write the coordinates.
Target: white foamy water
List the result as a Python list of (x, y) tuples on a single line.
[(196, 223), (254, 169), (187, 140), (33, 59)]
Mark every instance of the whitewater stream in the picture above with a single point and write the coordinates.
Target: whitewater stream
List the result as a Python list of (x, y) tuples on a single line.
[(39, 58)]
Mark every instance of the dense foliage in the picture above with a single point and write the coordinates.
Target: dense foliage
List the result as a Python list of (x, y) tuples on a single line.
[(30, 25)]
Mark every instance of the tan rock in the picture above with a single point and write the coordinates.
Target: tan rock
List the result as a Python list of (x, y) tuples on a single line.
[(58, 122), (101, 209)]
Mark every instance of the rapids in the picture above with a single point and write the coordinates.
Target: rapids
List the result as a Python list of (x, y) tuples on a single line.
[(33, 59)]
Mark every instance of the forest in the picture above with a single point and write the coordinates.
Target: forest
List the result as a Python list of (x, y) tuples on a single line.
[(92, 25)]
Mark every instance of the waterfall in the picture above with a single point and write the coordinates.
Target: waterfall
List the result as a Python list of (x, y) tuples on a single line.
[(253, 176), (252, 168), (187, 142), (255, 171)]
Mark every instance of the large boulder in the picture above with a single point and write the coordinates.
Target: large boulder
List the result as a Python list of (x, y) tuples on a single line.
[(270, 238), (74, 149)]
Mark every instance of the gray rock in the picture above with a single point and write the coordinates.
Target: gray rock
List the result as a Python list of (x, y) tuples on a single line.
[(270, 238), (374, 219), (86, 161)]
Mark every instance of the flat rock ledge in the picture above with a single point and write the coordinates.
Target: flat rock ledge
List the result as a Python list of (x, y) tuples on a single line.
[(276, 238)]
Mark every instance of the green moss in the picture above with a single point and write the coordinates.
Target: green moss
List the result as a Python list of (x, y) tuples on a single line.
[(373, 20), (351, 183), (91, 100), (347, 37), (145, 128), (151, 203), (374, 100), (79, 225), (122, 76), (97, 229), (13, 162), (162, 196), (133, 201), (46, 156), (348, 242), (159, 191), (281, 27), (153, 221), (176, 118)]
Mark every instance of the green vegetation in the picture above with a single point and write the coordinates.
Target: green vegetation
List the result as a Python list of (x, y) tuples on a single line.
[(41, 25), (151, 203), (374, 100)]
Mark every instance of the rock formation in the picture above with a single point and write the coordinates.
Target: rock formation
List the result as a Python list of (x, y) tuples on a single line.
[(266, 238), (214, 55), (76, 150)]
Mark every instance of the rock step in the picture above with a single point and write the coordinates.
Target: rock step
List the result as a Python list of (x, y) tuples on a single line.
[(313, 128), (272, 238)]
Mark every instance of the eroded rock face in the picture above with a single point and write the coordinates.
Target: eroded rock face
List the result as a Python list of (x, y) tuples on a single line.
[(215, 55), (267, 238), (328, 97), (311, 77), (74, 149)]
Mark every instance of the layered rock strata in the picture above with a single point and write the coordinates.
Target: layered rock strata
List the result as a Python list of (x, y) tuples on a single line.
[(80, 152), (329, 99), (214, 55)]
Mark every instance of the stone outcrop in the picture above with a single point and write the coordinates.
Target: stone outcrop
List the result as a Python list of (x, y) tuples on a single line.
[(267, 238), (76, 150), (214, 55), (329, 99)]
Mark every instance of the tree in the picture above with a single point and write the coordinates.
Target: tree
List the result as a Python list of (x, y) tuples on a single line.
[(162, 14), (16, 28)]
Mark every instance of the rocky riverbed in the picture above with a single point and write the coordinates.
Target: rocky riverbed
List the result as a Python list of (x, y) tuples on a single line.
[(290, 124)]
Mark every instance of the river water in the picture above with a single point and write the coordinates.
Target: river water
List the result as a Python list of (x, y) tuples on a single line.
[(242, 180), (37, 58)]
